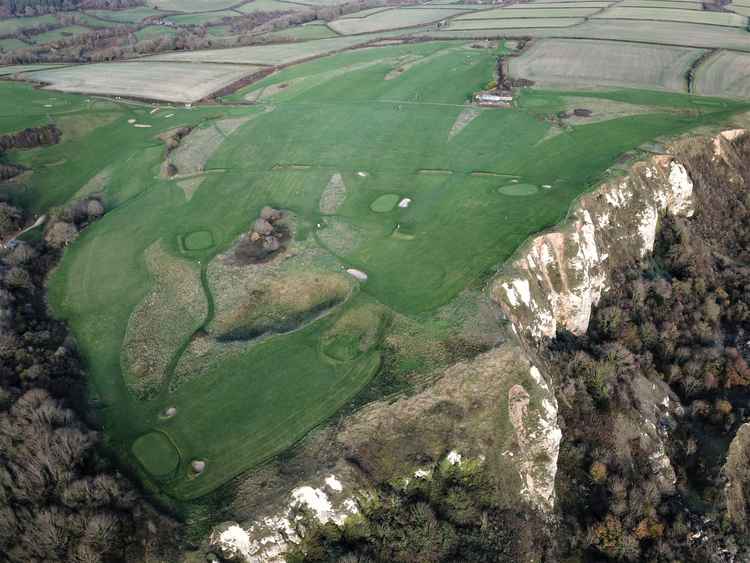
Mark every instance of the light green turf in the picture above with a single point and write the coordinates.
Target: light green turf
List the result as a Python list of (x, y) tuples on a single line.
[(190, 6), (154, 31), (302, 33), (335, 115), (156, 454), (93, 22), (132, 15), (519, 189), (384, 203), (58, 34), (676, 15), (201, 19), (5, 70), (270, 6), (198, 240), (391, 19), (12, 25), (12, 44)]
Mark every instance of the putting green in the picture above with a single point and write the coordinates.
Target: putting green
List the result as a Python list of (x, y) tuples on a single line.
[(385, 203), (519, 189), (248, 401), (156, 454), (198, 240)]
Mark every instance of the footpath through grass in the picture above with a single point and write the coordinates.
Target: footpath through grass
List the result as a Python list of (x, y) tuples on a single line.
[(379, 117)]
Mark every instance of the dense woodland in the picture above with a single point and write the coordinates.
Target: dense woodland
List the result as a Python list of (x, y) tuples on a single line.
[(681, 317)]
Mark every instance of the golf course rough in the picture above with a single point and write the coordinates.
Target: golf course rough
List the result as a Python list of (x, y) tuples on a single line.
[(240, 400)]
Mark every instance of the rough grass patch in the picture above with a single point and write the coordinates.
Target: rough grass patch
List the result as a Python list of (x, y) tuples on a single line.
[(173, 309)]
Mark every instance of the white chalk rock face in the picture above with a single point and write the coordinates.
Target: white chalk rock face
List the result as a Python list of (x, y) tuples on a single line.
[(266, 540), (558, 277), (231, 542), (538, 435)]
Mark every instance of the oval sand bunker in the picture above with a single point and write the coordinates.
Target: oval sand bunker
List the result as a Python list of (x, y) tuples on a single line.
[(519, 189), (385, 203)]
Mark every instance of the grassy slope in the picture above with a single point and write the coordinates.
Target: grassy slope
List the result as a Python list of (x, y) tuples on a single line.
[(260, 401)]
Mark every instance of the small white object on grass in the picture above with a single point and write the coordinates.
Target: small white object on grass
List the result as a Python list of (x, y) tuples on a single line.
[(153, 111), (362, 174), (454, 458), (546, 186), (168, 116), (142, 125), (357, 274), (48, 105), (404, 203), (198, 466), (170, 412), (131, 120)]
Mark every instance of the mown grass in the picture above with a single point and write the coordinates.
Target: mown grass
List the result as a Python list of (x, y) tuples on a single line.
[(378, 134)]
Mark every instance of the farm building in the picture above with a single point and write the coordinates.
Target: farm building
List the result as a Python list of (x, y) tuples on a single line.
[(493, 98)]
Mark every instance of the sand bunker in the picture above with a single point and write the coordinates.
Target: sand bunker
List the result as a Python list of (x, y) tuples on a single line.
[(357, 274)]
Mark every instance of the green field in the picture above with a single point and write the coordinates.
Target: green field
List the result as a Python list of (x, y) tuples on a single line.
[(270, 6), (391, 19), (513, 23), (12, 25), (678, 15), (154, 31), (58, 34), (582, 63), (202, 19), (302, 33), (132, 15), (12, 44), (239, 398)]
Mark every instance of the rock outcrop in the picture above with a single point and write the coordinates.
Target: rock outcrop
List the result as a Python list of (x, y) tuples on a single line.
[(560, 275), (737, 471)]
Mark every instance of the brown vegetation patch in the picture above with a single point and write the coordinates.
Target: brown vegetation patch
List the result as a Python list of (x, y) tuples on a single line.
[(172, 310)]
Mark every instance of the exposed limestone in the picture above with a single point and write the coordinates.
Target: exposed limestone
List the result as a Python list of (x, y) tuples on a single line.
[(267, 539), (538, 436), (560, 276)]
